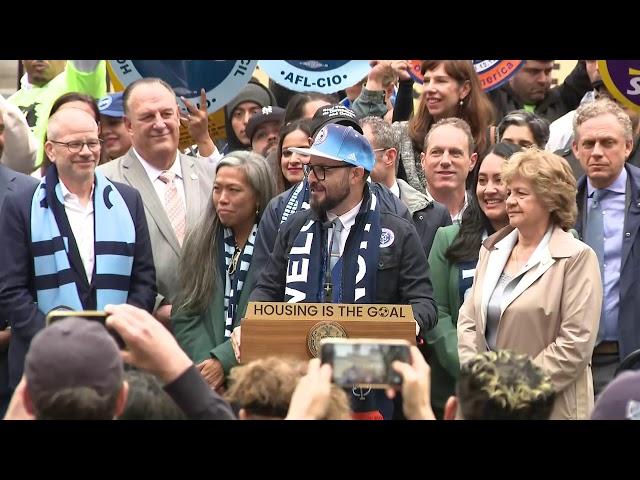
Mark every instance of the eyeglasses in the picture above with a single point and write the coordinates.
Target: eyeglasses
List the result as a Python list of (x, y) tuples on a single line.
[(76, 147), (376, 150), (287, 153), (320, 171)]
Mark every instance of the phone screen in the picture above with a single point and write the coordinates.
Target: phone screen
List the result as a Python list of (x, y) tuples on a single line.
[(364, 364), (94, 316)]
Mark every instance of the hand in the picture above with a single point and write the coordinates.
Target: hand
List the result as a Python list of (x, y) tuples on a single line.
[(376, 74), (16, 409), (151, 346), (197, 122), (310, 399), (213, 373), (163, 315), (235, 342), (401, 67), (416, 387)]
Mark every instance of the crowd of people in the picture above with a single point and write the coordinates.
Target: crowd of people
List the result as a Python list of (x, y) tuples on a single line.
[(487, 213)]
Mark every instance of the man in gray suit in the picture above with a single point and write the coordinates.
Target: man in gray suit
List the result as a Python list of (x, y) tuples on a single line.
[(174, 187), (10, 181)]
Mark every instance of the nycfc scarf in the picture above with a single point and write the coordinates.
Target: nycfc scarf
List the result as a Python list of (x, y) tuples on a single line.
[(114, 246), (233, 284), (298, 200), (354, 276)]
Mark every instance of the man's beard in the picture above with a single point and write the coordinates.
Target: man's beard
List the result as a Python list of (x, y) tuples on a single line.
[(330, 202)]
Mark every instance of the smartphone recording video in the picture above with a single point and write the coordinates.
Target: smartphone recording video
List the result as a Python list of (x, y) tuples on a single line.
[(364, 362), (92, 315)]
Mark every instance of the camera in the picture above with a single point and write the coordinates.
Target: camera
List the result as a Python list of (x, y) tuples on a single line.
[(364, 362), (92, 315)]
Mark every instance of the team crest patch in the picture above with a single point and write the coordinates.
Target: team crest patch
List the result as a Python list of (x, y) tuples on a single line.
[(321, 137), (386, 238)]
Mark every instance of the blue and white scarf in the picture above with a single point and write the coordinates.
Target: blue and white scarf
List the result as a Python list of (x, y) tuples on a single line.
[(298, 200), (233, 286), (354, 276), (114, 246)]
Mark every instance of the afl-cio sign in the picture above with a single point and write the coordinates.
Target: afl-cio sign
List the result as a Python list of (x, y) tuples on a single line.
[(326, 76), (622, 79), (494, 73), (221, 79)]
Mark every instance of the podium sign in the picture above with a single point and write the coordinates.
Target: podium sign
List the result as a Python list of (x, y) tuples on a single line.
[(295, 329)]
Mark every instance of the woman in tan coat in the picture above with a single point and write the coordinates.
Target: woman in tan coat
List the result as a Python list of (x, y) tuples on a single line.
[(537, 289)]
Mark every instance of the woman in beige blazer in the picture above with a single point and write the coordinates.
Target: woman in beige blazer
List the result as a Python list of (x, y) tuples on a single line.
[(537, 289)]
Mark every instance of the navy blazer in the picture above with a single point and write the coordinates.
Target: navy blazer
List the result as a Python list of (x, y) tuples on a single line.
[(628, 319), (10, 182), (17, 285)]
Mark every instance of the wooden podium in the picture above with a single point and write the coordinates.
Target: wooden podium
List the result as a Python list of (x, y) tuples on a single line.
[(295, 329)]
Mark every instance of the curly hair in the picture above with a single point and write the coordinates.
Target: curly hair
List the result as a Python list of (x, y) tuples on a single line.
[(263, 388), (551, 179), (603, 106), (504, 385)]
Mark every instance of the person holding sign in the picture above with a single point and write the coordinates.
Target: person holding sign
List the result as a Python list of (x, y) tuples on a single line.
[(216, 271), (346, 248)]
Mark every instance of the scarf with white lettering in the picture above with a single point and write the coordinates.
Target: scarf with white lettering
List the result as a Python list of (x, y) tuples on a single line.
[(354, 276)]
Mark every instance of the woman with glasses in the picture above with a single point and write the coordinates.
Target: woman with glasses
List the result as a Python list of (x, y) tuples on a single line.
[(289, 169), (453, 260), (524, 128), (216, 273)]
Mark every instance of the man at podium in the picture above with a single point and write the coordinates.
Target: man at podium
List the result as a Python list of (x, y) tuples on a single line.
[(346, 248)]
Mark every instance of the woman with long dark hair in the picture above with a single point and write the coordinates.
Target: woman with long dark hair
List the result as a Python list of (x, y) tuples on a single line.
[(453, 259), (216, 268)]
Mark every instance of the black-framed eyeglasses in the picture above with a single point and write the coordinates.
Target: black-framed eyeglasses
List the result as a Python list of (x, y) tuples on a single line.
[(76, 146), (320, 171)]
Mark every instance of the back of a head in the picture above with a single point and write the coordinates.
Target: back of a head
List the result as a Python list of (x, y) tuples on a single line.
[(620, 400), (147, 400), (263, 388), (74, 371), (503, 385)]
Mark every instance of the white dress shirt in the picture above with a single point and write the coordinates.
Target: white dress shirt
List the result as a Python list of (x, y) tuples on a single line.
[(161, 187), (348, 220), (81, 222)]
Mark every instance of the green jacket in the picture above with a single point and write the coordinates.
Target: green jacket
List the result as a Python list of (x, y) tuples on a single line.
[(442, 341), (202, 336)]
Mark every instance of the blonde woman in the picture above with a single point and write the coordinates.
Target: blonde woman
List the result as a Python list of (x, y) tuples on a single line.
[(537, 289)]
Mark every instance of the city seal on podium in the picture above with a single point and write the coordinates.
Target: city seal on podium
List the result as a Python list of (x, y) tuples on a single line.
[(322, 330)]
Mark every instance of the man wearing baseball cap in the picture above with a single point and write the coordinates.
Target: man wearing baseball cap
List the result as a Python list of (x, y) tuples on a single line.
[(346, 248), (74, 371), (116, 141), (263, 130), (297, 197)]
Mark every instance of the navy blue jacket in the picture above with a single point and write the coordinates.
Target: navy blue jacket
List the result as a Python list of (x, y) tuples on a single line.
[(270, 220), (628, 319), (17, 285), (10, 182)]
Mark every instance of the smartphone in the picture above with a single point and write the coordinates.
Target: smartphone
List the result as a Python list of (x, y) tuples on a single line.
[(364, 362), (92, 315)]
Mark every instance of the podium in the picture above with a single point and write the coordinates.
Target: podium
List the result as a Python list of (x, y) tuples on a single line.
[(295, 329)]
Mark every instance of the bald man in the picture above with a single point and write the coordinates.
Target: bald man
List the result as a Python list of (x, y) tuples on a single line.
[(76, 241)]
